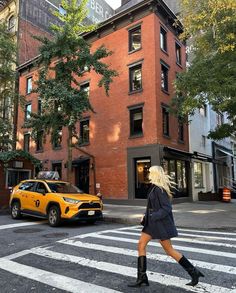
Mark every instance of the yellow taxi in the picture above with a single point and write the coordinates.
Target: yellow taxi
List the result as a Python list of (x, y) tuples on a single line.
[(54, 200)]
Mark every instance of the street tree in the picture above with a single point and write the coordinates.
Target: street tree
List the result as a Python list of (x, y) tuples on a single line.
[(210, 28), (7, 87), (63, 60)]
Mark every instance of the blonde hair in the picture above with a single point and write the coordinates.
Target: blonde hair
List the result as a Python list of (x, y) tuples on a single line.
[(158, 177)]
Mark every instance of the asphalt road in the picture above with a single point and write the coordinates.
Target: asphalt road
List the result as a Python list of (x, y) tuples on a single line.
[(102, 258)]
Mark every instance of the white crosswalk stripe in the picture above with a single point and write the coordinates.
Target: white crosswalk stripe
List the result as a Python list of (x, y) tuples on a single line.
[(73, 251)]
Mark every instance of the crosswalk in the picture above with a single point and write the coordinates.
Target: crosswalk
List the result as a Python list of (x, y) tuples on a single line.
[(105, 261)]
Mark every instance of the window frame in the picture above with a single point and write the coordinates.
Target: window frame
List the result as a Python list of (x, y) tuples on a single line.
[(130, 32), (164, 77), (10, 26), (165, 113), (83, 123), (180, 130), (132, 111), (39, 141), (132, 69), (28, 139), (196, 176), (27, 113), (163, 39), (29, 88), (178, 56)]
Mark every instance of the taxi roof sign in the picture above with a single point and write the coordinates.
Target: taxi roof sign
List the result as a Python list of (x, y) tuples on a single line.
[(49, 175)]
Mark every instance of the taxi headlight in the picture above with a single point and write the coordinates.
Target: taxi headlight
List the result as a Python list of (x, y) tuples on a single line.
[(71, 200)]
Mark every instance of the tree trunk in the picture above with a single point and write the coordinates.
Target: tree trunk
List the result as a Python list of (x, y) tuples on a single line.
[(69, 154)]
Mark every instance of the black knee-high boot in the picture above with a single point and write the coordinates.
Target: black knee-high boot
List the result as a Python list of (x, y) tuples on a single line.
[(194, 273), (142, 278)]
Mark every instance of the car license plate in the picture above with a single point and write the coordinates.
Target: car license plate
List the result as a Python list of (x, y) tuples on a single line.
[(91, 213)]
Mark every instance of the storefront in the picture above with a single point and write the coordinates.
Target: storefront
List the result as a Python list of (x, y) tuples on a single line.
[(175, 162)]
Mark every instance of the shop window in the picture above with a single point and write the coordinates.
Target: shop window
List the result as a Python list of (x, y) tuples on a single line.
[(198, 175), (135, 78), (163, 39), (84, 132), (176, 169), (165, 121), (28, 110), (29, 85), (136, 122), (26, 142), (135, 39), (14, 177)]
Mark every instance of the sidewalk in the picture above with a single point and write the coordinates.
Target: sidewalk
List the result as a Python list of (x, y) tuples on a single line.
[(201, 214)]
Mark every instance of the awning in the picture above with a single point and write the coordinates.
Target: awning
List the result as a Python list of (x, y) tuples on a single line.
[(79, 161), (228, 153)]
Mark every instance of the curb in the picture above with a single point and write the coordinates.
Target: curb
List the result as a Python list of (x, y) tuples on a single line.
[(121, 220)]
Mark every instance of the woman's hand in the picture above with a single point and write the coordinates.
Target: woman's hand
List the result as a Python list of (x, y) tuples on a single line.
[(142, 220)]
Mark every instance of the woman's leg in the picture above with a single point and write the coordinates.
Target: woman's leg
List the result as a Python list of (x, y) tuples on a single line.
[(183, 261), (142, 244), (142, 278), (167, 246)]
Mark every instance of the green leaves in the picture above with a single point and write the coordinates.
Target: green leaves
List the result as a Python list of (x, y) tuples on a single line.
[(211, 77)]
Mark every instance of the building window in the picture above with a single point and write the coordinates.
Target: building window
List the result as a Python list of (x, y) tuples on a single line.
[(84, 132), (135, 39), (178, 53), (11, 23), (58, 140), (219, 119), (136, 121), (39, 141), (165, 121), (85, 87), (39, 106), (28, 110), (29, 85), (180, 130), (62, 11), (135, 77), (203, 110), (198, 175), (164, 77), (163, 39), (26, 142), (57, 166)]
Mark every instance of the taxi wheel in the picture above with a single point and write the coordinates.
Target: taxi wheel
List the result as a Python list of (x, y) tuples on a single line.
[(54, 216), (15, 211)]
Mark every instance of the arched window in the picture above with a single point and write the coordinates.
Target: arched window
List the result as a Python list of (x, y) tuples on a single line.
[(11, 23)]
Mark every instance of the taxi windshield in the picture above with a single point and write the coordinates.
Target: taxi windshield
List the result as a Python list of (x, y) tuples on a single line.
[(63, 187)]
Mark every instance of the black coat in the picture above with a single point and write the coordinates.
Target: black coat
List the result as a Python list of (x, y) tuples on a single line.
[(159, 221)]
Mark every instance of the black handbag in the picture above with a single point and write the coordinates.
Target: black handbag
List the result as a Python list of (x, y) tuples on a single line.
[(143, 221), (148, 208)]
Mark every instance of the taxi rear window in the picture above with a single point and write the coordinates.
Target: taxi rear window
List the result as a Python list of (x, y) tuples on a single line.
[(63, 188)]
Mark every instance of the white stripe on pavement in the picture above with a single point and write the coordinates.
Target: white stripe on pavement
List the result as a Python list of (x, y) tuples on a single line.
[(208, 232), (157, 257), (166, 280), (188, 240), (192, 249), (23, 224), (194, 235), (55, 280)]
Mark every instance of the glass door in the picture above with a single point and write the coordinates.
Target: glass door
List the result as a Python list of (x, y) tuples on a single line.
[(142, 184)]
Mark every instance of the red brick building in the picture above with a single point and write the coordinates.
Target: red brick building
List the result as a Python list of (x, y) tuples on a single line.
[(132, 128)]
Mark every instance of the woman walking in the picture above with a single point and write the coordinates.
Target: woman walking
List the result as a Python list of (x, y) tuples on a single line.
[(159, 224)]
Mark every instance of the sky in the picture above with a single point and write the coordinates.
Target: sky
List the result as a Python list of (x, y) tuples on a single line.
[(114, 3)]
